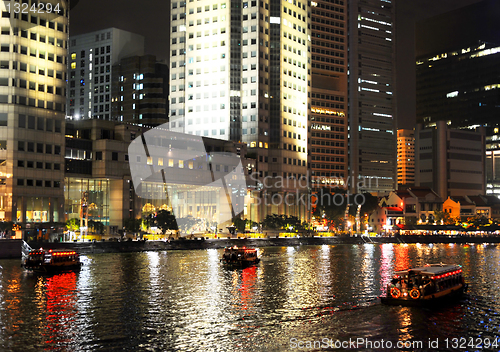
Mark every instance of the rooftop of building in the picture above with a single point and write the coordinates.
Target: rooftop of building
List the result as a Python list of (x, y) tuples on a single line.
[(423, 192), (459, 28), (461, 200)]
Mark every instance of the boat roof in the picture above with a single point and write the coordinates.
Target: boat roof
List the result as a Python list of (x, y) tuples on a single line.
[(430, 269), (58, 251), (240, 248)]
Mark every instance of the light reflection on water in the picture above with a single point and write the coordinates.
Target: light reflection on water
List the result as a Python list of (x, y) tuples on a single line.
[(186, 300)]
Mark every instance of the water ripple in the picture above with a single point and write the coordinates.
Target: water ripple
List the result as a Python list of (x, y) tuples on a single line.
[(186, 301)]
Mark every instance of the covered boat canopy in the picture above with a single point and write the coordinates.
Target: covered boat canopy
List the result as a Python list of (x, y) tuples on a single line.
[(432, 269)]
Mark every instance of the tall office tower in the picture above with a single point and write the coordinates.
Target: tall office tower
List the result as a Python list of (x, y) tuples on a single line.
[(327, 117), (91, 58), (32, 110), (457, 66), (450, 161), (406, 157), (239, 71), (372, 99), (140, 91)]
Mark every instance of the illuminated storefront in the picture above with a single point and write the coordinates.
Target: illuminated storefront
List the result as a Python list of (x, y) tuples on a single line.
[(99, 193)]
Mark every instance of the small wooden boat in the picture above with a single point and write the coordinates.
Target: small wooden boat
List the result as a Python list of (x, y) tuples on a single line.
[(45, 261), (425, 285), (239, 256)]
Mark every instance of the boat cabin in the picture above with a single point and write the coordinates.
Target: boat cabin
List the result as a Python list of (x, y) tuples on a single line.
[(427, 282), (40, 259), (239, 255)]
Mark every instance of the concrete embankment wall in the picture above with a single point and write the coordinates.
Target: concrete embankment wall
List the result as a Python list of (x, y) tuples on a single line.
[(139, 246), (10, 248)]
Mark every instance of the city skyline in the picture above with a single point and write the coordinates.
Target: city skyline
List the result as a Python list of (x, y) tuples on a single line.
[(130, 16)]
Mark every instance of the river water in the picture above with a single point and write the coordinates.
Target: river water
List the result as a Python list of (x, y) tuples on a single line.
[(297, 298)]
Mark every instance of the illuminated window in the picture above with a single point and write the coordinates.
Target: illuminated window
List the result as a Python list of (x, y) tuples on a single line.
[(73, 65), (73, 56), (190, 165), (181, 164), (160, 161), (170, 162)]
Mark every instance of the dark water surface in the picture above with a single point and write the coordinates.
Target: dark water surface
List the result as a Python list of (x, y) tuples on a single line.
[(186, 301)]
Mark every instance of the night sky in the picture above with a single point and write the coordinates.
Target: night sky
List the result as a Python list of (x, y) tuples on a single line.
[(151, 19)]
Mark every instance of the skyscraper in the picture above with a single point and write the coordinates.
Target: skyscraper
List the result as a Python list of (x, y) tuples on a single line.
[(32, 111), (457, 66), (450, 161), (372, 99), (328, 114), (140, 91), (406, 157), (240, 72), (91, 59)]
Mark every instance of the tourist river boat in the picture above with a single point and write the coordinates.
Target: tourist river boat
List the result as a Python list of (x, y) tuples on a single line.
[(239, 256), (434, 283), (45, 261)]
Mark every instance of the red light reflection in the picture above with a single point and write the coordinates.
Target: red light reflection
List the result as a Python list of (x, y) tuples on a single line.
[(248, 277), (402, 261), (61, 309)]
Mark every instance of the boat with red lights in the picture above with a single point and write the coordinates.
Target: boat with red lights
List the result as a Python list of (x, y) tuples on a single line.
[(40, 260), (239, 256), (429, 284)]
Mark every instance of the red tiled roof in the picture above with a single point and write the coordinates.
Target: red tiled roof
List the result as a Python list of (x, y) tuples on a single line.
[(462, 200), (421, 192), (478, 200), (403, 194)]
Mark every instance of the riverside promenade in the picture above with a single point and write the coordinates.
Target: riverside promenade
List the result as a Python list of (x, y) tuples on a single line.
[(184, 244)]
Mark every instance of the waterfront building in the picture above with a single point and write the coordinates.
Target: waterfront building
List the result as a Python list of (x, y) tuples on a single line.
[(451, 161), (413, 205), (459, 207), (457, 66), (406, 157), (240, 71), (91, 57), (33, 60), (139, 91), (328, 114), (469, 206), (97, 167), (372, 98)]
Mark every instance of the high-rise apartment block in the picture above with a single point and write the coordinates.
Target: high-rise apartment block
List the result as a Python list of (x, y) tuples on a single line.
[(372, 98), (91, 58), (140, 91), (240, 71), (33, 59), (406, 157), (328, 113)]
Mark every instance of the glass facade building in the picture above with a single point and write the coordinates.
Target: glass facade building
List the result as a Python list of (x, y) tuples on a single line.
[(372, 98)]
